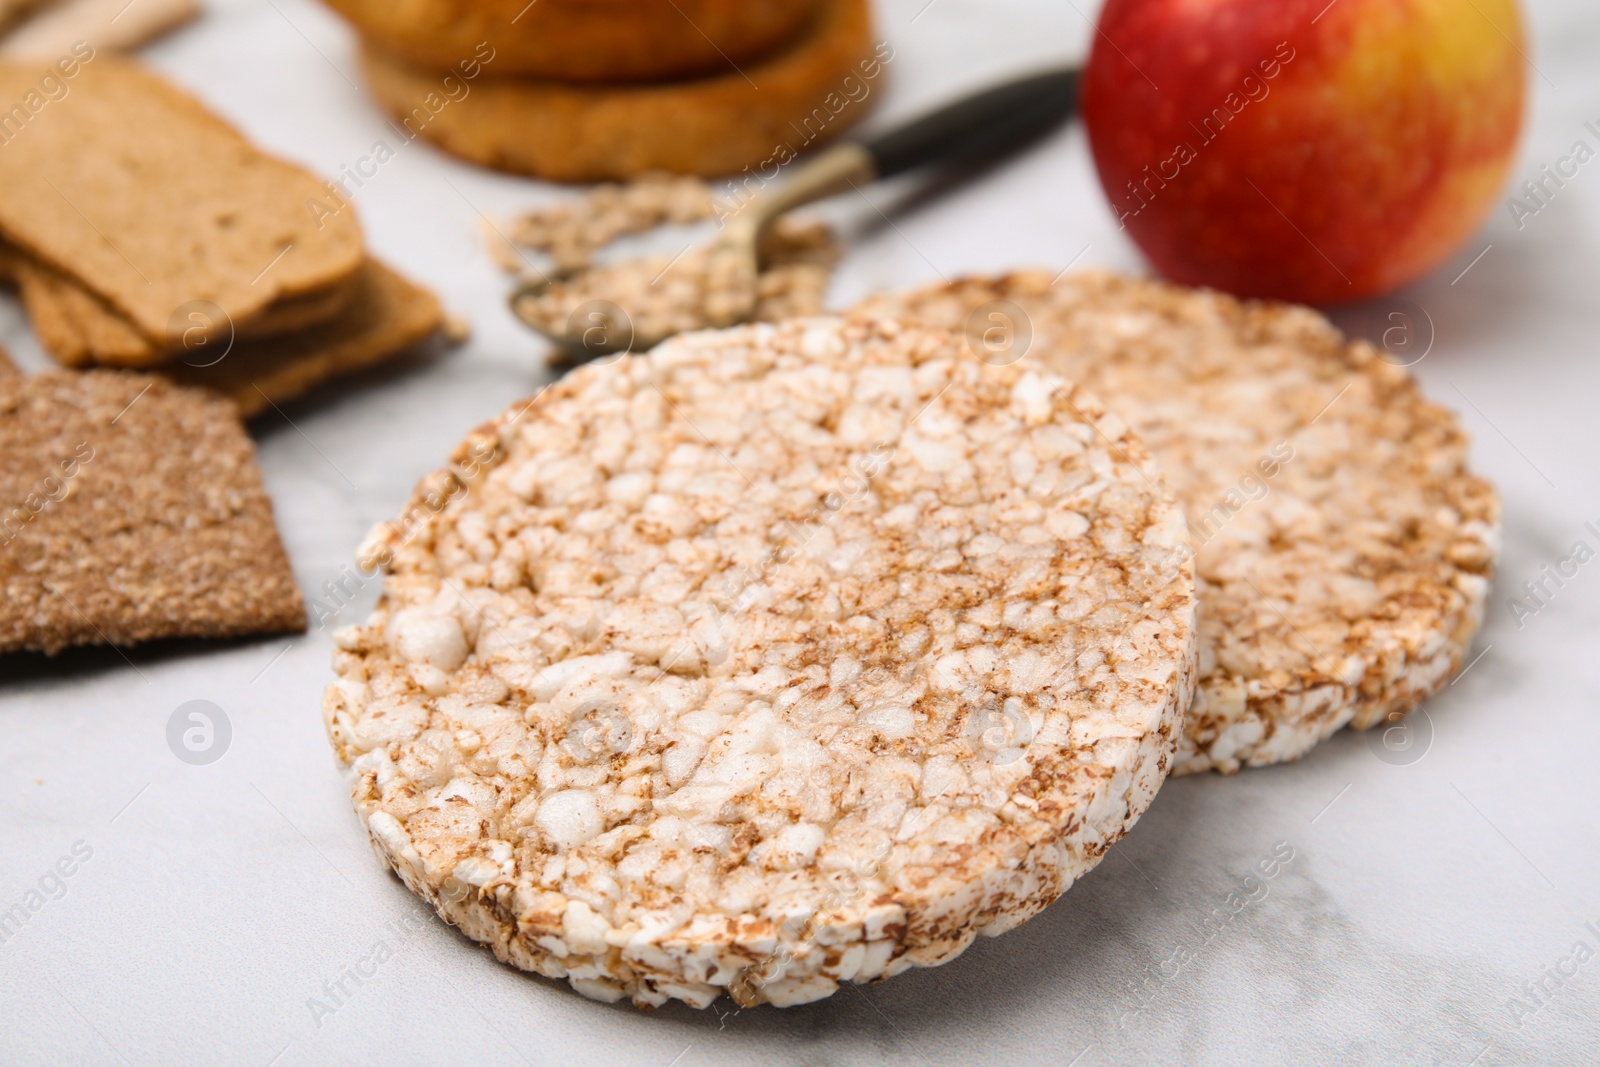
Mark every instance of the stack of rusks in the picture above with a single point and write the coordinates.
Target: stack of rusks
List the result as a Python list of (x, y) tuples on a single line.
[(580, 90)]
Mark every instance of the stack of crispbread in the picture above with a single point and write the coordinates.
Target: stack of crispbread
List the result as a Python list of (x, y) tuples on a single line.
[(176, 245)]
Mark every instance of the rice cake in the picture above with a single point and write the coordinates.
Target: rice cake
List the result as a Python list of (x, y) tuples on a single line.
[(779, 657), (1344, 549)]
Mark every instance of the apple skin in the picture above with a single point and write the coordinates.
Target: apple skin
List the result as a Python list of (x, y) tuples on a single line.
[(1300, 151)]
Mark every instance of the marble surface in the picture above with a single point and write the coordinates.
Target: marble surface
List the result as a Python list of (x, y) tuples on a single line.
[(220, 904)]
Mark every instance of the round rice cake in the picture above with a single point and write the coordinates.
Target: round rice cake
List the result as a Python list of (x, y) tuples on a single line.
[(782, 656), (810, 92), (1344, 549)]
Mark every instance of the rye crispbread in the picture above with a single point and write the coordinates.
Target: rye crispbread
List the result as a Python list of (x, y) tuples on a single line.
[(779, 657), (77, 329), (387, 316), (810, 92), (72, 326), (1339, 589), (134, 511), (172, 206), (581, 40)]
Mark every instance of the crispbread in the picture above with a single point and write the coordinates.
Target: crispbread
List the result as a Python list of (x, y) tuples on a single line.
[(173, 206), (387, 316), (581, 40), (1351, 587), (78, 329), (136, 513), (779, 657), (383, 316), (112, 25), (73, 327), (814, 90), (8, 369)]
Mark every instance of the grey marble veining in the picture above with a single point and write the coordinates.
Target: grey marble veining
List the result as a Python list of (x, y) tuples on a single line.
[(1419, 910)]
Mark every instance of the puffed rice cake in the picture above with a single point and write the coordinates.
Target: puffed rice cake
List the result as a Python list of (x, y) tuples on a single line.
[(781, 657), (1344, 549)]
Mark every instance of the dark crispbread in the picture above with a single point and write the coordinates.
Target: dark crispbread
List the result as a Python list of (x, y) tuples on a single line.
[(172, 206), (136, 512), (386, 316)]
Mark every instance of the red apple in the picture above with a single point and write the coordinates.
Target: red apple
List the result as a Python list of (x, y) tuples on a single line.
[(1301, 149)]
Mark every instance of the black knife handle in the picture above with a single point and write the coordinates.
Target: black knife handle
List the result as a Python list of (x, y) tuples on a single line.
[(974, 128)]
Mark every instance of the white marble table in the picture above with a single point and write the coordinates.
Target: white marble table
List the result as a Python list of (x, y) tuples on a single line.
[(218, 903)]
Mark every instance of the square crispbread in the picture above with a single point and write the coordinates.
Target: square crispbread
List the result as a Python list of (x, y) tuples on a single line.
[(134, 512), (387, 316), (78, 329), (173, 206)]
